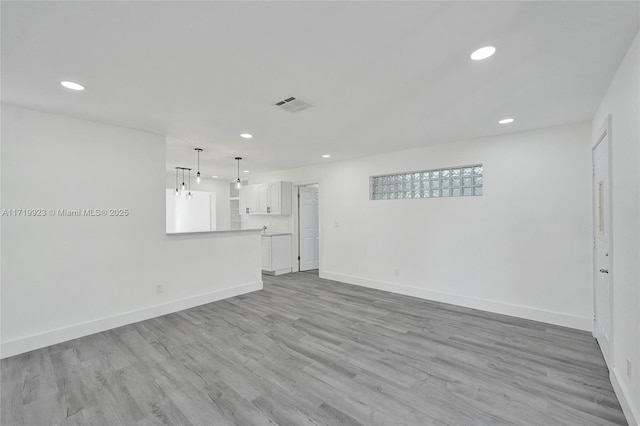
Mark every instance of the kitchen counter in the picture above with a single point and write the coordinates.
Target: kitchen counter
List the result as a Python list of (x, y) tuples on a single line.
[(225, 232), (274, 234)]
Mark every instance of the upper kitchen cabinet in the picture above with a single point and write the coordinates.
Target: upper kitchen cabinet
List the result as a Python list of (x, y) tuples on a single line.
[(266, 198), (279, 196), (243, 199)]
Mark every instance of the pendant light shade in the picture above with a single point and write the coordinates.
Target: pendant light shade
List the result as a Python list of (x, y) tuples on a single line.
[(189, 196), (238, 183), (199, 150)]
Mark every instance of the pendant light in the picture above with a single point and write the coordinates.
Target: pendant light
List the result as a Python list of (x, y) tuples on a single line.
[(198, 174), (238, 183), (177, 190), (184, 186)]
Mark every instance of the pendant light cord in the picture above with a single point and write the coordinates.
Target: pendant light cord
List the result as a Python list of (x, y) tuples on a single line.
[(238, 181)]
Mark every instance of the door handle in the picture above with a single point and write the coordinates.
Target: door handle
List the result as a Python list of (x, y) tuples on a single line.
[(604, 271)]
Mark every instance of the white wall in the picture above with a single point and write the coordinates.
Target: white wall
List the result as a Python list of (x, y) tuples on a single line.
[(219, 204), (622, 101), (524, 248), (64, 277), (190, 214)]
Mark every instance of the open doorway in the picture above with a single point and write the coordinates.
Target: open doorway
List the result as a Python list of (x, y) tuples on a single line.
[(308, 227)]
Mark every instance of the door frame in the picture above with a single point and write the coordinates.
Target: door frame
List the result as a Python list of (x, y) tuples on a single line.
[(603, 135), (295, 243)]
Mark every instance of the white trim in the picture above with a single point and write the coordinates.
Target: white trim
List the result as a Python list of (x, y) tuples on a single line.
[(557, 318), (52, 337), (295, 237), (624, 396), (603, 135), (277, 271), (295, 232)]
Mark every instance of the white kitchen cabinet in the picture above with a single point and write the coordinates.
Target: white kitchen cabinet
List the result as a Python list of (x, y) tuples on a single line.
[(274, 191), (244, 197), (262, 195), (266, 198), (249, 202), (276, 253)]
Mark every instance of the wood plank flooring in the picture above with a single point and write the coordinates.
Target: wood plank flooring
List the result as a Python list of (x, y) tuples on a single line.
[(308, 351)]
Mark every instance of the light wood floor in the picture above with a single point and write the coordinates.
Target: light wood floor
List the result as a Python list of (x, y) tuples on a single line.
[(311, 351)]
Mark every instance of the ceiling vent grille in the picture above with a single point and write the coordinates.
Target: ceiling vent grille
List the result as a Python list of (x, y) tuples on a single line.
[(293, 104)]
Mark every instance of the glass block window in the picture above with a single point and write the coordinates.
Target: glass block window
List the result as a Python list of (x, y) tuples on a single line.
[(463, 181)]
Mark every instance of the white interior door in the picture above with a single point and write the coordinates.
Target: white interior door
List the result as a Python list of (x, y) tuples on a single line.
[(309, 229), (603, 291)]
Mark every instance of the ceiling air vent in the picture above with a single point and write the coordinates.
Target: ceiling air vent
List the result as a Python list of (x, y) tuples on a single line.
[(293, 104)]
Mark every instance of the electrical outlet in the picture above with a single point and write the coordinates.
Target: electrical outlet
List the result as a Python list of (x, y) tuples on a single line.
[(628, 367), (159, 289), (396, 272)]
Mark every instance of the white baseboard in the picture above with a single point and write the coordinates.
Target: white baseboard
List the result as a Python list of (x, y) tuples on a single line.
[(557, 318), (629, 409), (52, 337), (278, 271)]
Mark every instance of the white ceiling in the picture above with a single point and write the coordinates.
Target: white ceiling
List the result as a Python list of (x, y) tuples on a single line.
[(382, 76)]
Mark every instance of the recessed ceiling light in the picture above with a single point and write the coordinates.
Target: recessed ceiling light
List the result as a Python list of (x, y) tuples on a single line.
[(71, 85), (215, 177), (506, 121), (246, 171), (326, 156), (246, 135), (483, 53)]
